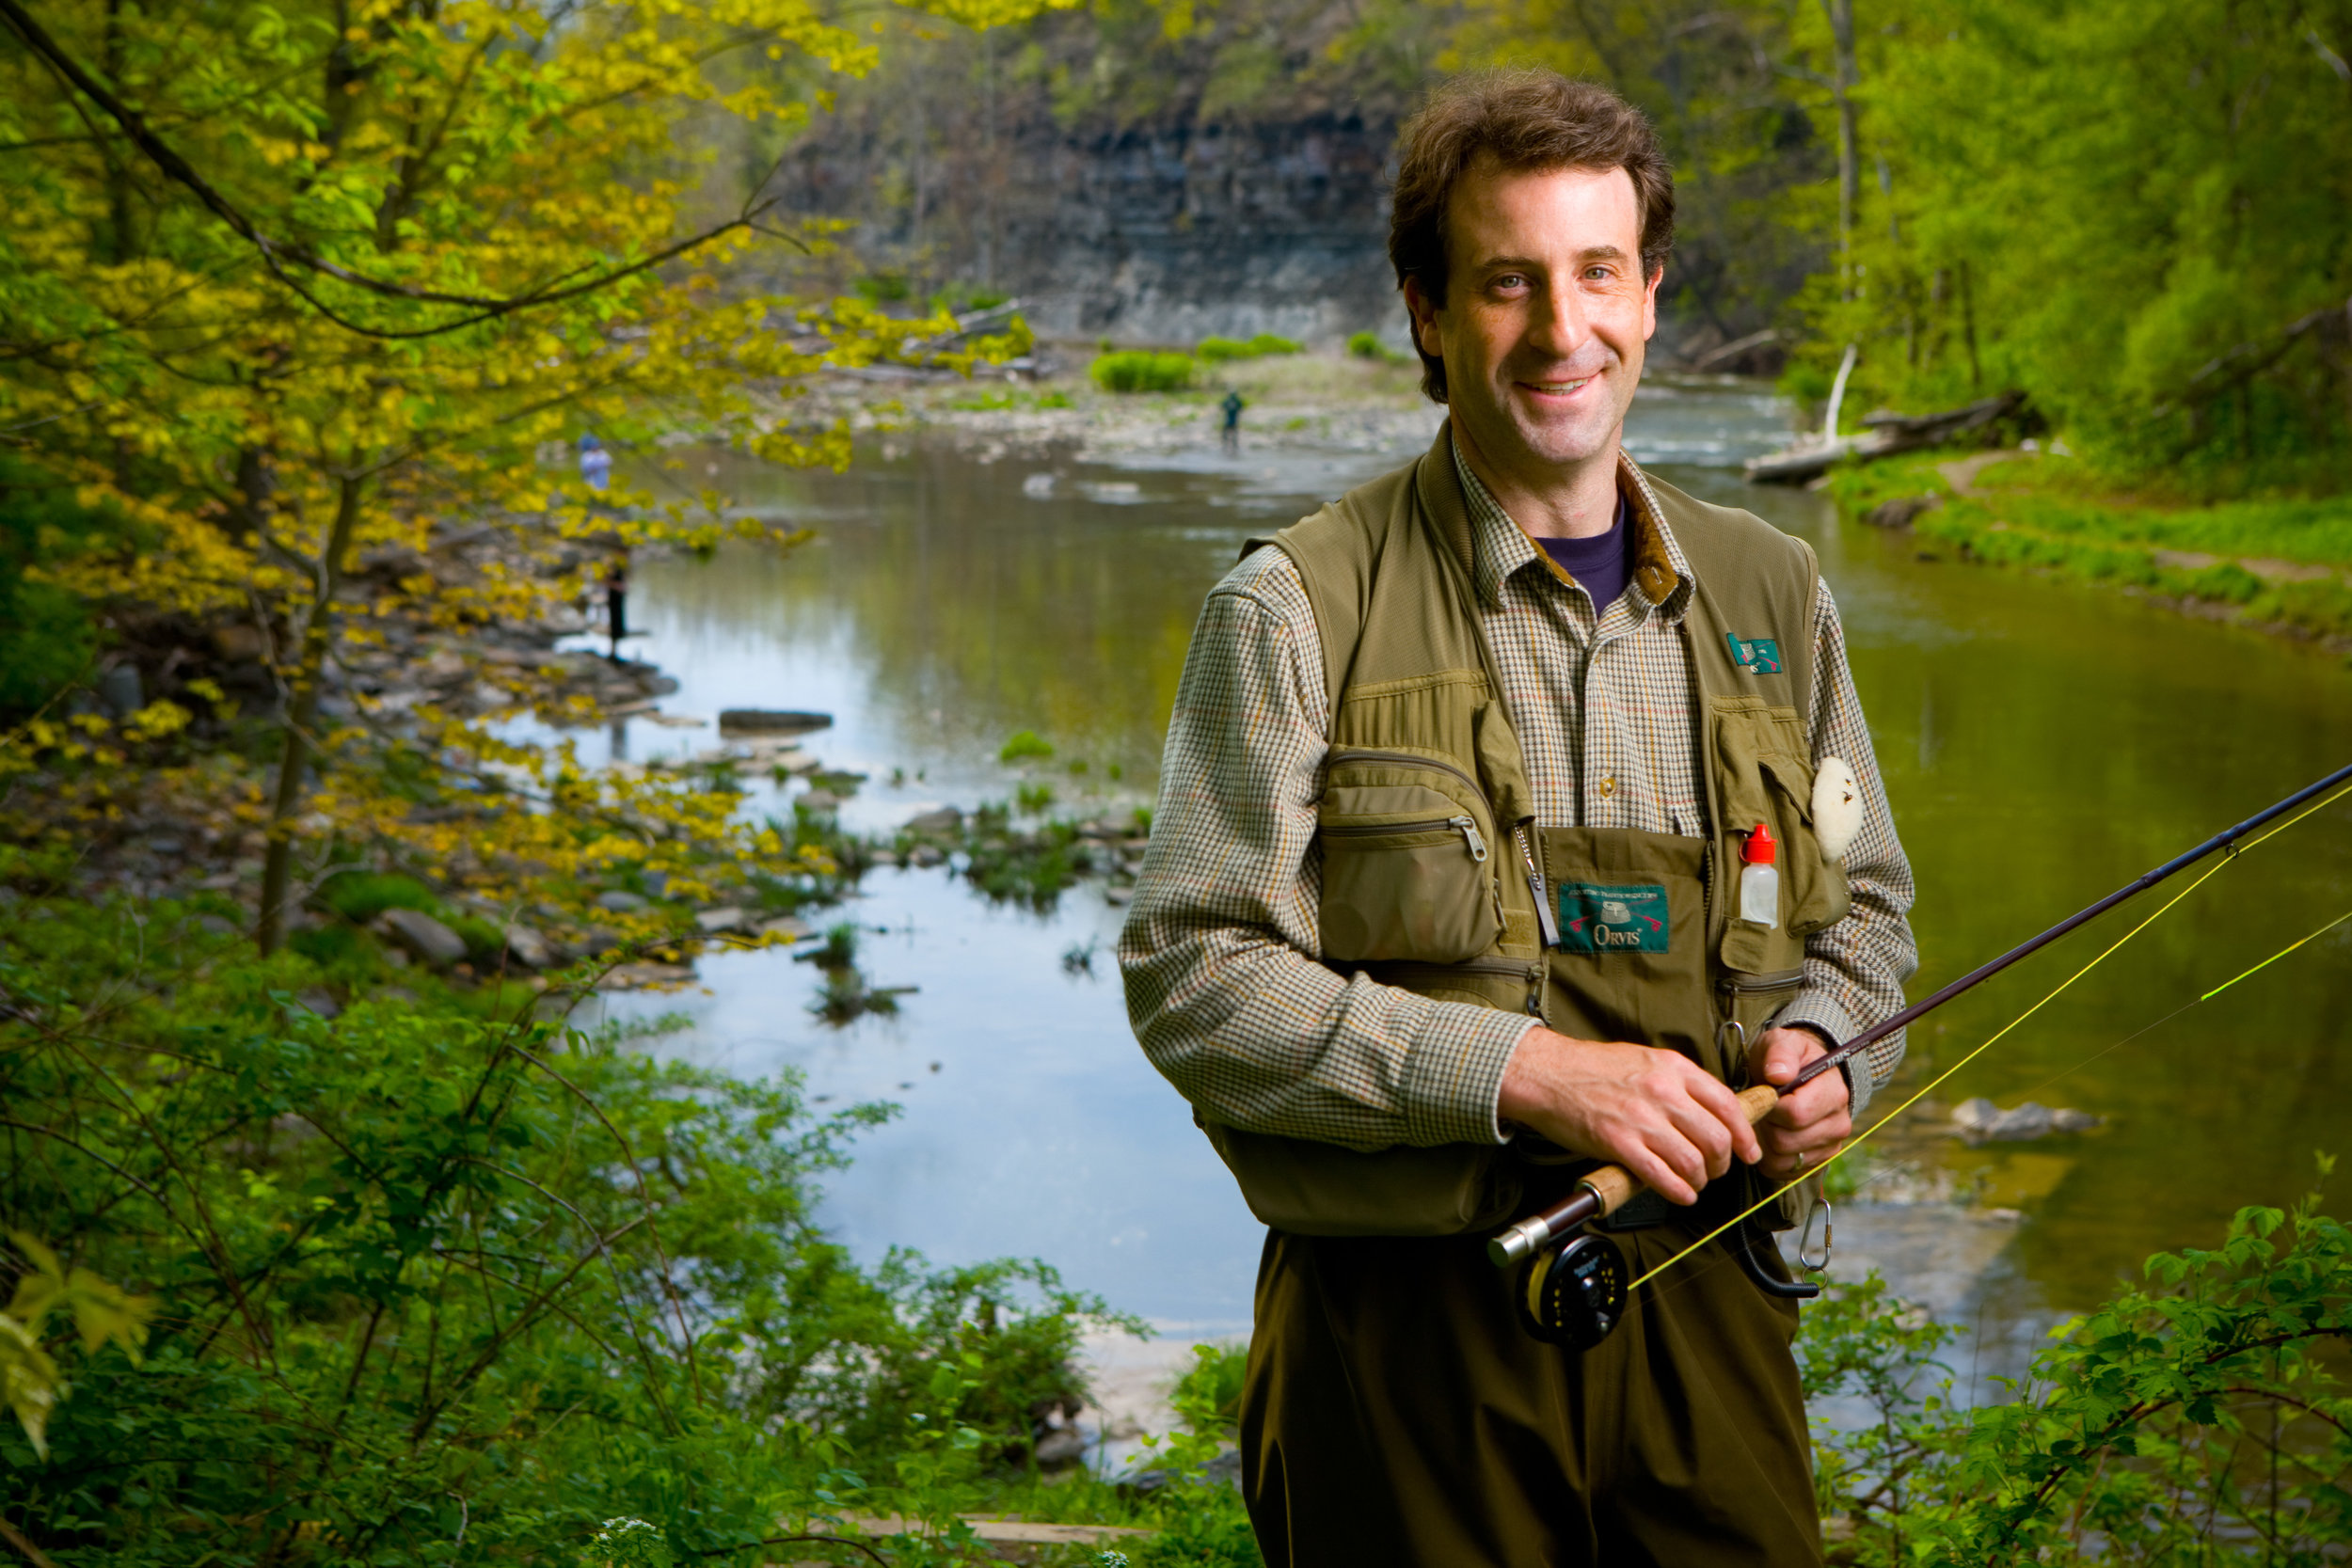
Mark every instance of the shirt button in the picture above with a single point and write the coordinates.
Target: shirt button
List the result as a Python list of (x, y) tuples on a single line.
[(1607, 786)]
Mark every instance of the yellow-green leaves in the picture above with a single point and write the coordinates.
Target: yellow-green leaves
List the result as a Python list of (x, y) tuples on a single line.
[(102, 1315)]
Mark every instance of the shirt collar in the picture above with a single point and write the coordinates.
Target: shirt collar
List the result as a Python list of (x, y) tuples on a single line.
[(1501, 549)]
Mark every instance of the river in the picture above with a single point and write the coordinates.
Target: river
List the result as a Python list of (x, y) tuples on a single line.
[(2043, 743)]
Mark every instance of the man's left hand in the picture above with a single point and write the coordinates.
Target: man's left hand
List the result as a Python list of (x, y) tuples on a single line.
[(1815, 1121)]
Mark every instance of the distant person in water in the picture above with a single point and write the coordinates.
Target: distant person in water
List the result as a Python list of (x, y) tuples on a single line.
[(1232, 406), (616, 606), (596, 464)]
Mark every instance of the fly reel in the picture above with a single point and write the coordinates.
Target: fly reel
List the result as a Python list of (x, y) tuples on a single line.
[(1573, 1294)]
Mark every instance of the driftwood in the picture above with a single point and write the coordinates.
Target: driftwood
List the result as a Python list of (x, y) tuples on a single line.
[(1888, 432), (761, 721)]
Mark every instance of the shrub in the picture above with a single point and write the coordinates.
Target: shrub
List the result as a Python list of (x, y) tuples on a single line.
[(2197, 1417), (1141, 371), (1367, 345), (1023, 744), (1265, 345)]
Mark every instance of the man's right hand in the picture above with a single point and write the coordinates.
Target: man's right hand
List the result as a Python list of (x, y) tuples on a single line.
[(1656, 1113)]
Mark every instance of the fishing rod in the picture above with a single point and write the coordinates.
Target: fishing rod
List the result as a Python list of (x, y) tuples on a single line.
[(1576, 1292)]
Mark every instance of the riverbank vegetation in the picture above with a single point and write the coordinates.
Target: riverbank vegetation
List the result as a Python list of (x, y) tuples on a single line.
[(2278, 563)]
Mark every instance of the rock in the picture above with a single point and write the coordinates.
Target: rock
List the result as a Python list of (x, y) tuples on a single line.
[(168, 846), (1065, 1445), (927, 856), (1899, 512), (636, 976), (790, 927), (120, 690), (620, 901), (1117, 894), (423, 935), (727, 917), (319, 1001), (944, 821), (530, 948), (1038, 486), (773, 720), (820, 799), (1979, 1121)]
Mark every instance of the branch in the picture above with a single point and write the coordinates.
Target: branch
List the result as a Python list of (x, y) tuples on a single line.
[(782, 1540), (274, 255)]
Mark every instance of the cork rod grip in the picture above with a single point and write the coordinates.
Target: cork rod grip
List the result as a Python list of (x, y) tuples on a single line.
[(1615, 1185), (1599, 1194)]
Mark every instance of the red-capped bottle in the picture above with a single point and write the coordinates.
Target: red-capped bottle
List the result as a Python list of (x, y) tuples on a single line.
[(1759, 878)]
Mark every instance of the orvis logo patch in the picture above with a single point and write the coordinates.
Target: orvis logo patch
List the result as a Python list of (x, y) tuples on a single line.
[(1598, 918), (1760, 655)]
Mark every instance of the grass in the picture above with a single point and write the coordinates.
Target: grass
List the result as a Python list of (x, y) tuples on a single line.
[(1139, 371), (2047, 514)]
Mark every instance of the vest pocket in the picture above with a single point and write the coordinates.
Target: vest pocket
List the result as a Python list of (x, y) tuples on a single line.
[(1408, 851), (1765, 777)]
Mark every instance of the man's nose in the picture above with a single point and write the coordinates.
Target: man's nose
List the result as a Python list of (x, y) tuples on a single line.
[(1560, 324)]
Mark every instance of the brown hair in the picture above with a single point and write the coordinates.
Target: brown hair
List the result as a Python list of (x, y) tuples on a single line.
[(1529, 119)]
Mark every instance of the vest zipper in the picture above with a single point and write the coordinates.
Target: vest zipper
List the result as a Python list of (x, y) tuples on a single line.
[(1531, 971), (1463, 825), (1407, 759), (1748, 984), (1546, 920)]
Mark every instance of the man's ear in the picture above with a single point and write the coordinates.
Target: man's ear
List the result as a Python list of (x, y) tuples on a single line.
[(1424, 314), (1649, 303)]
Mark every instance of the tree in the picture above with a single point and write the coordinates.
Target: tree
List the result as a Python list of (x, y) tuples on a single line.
[(287, 285)]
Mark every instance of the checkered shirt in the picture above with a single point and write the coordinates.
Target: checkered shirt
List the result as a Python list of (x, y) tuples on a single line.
[(1218, 952)]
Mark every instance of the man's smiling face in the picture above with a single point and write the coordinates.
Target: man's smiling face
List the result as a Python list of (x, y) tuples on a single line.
[(1546, 314)]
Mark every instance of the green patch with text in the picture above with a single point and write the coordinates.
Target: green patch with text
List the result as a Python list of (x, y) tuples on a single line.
[(1598, 917)]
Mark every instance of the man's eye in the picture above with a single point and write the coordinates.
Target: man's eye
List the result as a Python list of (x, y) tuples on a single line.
[(1511, 280), (1598, 274)]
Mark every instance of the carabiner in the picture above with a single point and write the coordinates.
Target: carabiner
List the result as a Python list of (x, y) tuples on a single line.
[(1804, 1238)]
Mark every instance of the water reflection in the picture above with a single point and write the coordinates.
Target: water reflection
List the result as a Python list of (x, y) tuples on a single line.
[(2043, 744)]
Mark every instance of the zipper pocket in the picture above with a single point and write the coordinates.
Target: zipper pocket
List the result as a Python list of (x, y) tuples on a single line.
[(1463, 825), (1547, 918), (1530, 971), (1405, 759), (1751, 985)]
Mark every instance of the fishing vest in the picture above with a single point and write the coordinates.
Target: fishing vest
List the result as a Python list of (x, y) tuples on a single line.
[(1433, 863)]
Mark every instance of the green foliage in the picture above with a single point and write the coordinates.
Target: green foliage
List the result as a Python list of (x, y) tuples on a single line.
[(1367, 345), (2117, 209), (1022, 745), (1207, 1399), (2197, 1418), (1142, 371), (47, 637), (1219, 350), (1034, 800), (421, 1272), (360, 896), (2037, 514)]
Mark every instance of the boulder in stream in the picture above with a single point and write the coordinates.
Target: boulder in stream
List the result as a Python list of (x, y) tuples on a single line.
[(1979, 1121)]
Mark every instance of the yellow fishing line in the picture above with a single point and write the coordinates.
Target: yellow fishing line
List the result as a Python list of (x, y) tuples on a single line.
[(2276, 956), (2228, 857)]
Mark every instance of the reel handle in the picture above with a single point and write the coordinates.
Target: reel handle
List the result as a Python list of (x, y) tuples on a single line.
[(1599, 1194)]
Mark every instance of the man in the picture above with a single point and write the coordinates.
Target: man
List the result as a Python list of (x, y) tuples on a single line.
[(1231, 408), (1490, 738)]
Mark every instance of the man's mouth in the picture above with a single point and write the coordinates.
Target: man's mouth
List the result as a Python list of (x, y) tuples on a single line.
[(1556, 388)]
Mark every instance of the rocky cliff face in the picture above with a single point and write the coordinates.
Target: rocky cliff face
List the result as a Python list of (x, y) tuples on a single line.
[(1169, 234)]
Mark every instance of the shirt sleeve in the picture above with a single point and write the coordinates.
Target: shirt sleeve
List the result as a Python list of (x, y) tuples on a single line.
[(1854, 971), (1218, 954)]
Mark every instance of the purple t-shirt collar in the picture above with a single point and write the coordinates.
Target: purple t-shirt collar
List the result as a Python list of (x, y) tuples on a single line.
[(1602, 563)]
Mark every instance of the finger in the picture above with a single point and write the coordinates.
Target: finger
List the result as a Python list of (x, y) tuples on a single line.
[(1819, 1101), (1654, 1172), (1724, 1107), (1705, 1134)]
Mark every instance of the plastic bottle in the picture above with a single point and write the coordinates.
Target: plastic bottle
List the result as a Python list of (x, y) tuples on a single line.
[(1759, 878)]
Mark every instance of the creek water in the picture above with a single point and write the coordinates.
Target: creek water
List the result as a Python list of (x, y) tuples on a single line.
[(2042, 742)]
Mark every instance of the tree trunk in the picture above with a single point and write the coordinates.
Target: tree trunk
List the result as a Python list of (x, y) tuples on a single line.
[(1840, 14), (301, 722)]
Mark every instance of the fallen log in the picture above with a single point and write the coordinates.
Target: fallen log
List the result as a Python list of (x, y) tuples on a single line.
[(1887, 433), (765, 721)]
